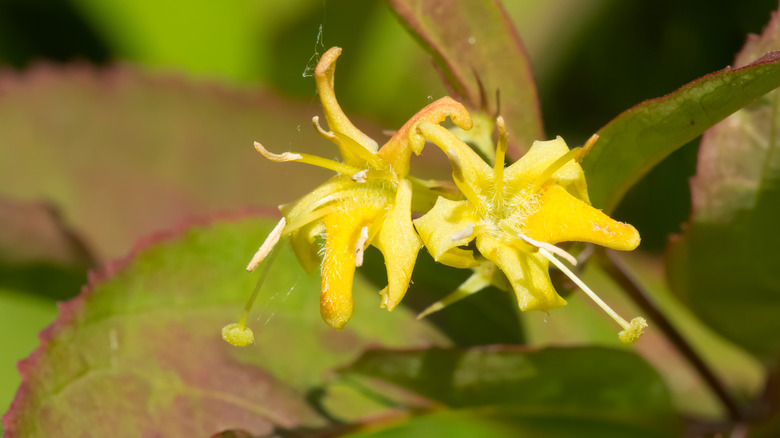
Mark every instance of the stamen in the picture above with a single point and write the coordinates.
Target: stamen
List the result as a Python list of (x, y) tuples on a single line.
[(467, 231), (279, 158), (498, 169), (454, 148), (361, 243), (237, 333), (573, 154), (267, 246), (360, 177), (347, 144), (460, 180), (588, 146), (327, 134), (308, 159), (631, 331), (549, 247)]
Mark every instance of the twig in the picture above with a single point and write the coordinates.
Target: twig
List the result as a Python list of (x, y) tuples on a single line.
[(616, 269)]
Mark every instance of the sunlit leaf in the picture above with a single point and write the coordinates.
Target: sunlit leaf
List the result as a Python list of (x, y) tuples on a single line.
[(528, 392), (140, 350), (480, 55), (639, 138), (724, 265)]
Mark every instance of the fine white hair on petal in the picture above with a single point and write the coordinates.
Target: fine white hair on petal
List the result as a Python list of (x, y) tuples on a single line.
[(268, 245)]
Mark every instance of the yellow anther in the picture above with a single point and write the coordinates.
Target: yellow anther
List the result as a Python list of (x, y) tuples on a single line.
[(634, 331), (238, 335)]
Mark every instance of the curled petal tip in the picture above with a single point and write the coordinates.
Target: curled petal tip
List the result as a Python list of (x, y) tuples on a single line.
[(326, 60), (279, 158)]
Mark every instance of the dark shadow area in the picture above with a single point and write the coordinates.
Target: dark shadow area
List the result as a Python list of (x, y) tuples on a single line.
[(53, 30), (487, 317)]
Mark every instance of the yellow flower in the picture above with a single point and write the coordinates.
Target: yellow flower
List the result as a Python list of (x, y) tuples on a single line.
[(515, 216), (368, 202)]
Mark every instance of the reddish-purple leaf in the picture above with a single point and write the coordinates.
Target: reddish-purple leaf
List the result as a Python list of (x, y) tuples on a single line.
[(139, 352), (36, 233), (123, 153), (724, 265), (480, 55)]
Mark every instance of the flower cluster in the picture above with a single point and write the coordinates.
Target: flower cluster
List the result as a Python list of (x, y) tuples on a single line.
[(505, 217)]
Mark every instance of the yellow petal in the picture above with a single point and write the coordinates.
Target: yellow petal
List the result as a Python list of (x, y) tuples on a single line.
[(447, 219), (471, 174), (458, 258), (526, 272), (304, 243), (397, 151), (399, 245), (337, 120), (542, 154), (298, 212), (564, 218), (342, 229)]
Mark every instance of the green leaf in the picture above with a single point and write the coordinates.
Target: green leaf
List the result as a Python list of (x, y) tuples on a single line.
[(639, 138), (724, 266), (22, 316), (509, 422), (530, 392), (140, 350), (492, 315), (206, 38), (479, 53)]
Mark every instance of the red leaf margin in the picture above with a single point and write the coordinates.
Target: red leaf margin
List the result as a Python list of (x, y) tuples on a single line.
[(67, 309)]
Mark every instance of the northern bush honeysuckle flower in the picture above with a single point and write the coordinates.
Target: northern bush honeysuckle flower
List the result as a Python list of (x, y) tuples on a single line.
[(368, 202), (515, 216)]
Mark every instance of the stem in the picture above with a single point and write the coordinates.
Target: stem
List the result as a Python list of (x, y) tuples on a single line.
[(256, 290), (617, 270)]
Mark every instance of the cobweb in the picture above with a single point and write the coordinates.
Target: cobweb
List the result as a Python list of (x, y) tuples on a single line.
[(319, 49)]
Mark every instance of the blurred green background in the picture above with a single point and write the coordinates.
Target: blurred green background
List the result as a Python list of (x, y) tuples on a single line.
[(592, 60)]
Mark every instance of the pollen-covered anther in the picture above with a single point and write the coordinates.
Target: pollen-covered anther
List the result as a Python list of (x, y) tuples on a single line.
[(238, 335), (467, 231), (631, 331), (361, 243), (634, 331), (279, 158), (267, 246), (360, 177)]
